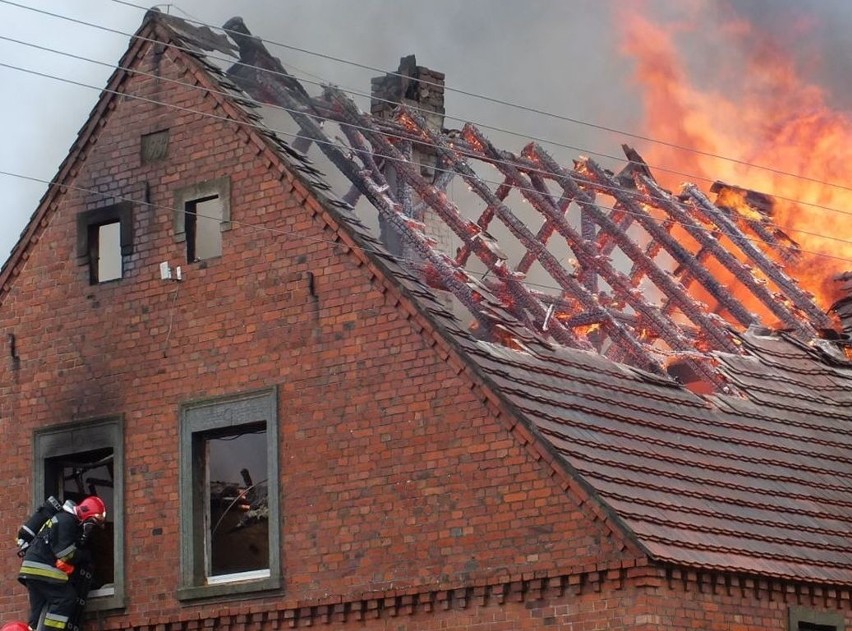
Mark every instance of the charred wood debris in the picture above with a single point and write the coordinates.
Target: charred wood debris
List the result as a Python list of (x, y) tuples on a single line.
[(638, 253)]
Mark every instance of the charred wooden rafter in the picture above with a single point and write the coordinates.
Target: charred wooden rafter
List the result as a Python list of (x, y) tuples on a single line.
[(593, 292)]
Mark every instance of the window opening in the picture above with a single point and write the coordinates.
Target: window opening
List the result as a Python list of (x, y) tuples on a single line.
[(229, 494), (72, 461), (812, 626), (236, 510), (74, 477), (105, 252), (203, 228), (104, 239)]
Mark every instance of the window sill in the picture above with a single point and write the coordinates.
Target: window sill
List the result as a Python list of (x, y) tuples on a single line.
[(228, 589), (106, 603)]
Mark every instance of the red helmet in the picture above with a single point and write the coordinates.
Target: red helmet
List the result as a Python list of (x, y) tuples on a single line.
[(91, 509), (15, 626)]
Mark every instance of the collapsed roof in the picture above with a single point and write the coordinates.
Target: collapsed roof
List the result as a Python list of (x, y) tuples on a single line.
[(621, 260)]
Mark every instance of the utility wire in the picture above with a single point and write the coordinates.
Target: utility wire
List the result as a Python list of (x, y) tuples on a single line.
[(378, 155), (286, 234), (276, 231), (387, 134), (345, 148), (524, 108), (489, 99)]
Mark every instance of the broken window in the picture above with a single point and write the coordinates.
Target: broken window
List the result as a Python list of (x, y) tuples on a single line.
[(236, 518), (73, 463), (104, 238), (229, 495), (202, 213)]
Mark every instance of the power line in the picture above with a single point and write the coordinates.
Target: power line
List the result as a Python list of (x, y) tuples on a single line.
[(413, 108), (345, 148), (657, 168), (528, 109), (278, 232)]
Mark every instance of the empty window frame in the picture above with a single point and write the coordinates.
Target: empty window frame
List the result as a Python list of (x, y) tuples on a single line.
[(803, 619), (229, 496), (105, 252), (73, 462), (202, 214), (104, 239)]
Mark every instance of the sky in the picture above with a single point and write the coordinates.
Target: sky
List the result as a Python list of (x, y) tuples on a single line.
[(559, 56)]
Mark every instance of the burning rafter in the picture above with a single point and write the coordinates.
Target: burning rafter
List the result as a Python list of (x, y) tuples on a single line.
[(641, 310)]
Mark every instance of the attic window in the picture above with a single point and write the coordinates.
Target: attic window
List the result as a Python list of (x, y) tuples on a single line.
[(202, 213), (105, 252), (104, 238)]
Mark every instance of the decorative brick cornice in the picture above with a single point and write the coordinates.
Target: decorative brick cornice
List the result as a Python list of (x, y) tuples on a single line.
[(518, 589), (759, 588), (392, 603)]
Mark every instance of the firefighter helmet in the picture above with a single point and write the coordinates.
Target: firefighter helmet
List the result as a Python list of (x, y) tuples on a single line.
[(15, 626), (91, 509)]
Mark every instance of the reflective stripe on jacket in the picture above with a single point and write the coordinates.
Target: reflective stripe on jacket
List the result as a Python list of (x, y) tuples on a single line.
[(42, 572), (56, 540)]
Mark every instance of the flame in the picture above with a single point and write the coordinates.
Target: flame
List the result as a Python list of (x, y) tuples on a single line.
[(588, 329), (756, 109), (736, 200)]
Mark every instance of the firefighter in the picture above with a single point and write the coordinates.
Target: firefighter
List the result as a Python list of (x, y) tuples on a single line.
[(50, 561)]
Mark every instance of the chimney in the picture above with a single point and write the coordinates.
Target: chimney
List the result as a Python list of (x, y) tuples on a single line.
[(422, 90)]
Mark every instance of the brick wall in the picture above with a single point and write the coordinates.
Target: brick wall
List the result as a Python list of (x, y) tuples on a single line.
[(406, 500), (394, 470)]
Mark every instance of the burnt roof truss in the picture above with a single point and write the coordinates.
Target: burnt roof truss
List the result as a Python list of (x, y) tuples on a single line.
[(630, 269)]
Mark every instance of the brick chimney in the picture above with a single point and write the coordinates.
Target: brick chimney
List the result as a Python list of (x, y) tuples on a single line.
[(421, 89)]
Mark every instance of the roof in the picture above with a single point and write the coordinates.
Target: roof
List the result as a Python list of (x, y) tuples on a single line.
[(754, 476)]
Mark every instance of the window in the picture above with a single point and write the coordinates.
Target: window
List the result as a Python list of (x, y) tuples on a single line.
[(202, 213), (104, 238), (802, 619), (203, 236), (105, 252), (229, 496), (72, 462)]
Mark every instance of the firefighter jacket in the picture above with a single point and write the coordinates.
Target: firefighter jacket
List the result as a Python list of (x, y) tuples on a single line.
[(53, 551)]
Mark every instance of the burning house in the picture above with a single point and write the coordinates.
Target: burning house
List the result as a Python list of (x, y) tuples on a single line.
[(354, 368)]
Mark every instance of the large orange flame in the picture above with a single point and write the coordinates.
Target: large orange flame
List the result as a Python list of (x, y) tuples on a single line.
[(756, 109)]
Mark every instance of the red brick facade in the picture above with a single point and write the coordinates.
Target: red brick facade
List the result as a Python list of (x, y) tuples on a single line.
[(410, 498)]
